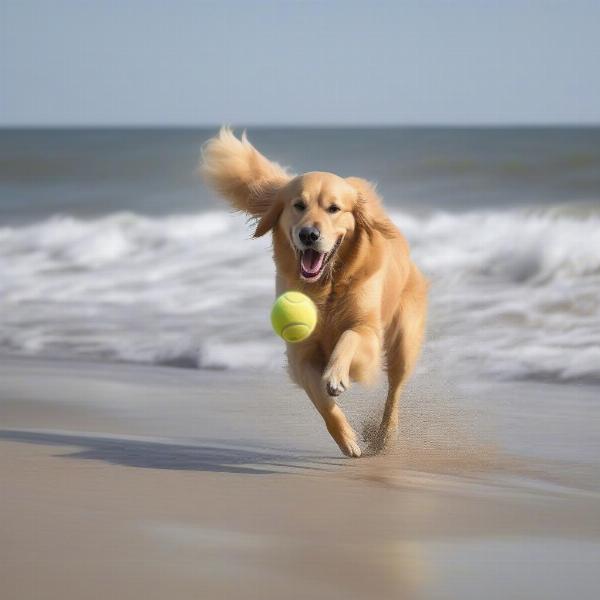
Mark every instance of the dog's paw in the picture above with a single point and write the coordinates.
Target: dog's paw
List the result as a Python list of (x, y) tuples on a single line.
[(349, 446), (335, 388), (343, 434), (335, 380)]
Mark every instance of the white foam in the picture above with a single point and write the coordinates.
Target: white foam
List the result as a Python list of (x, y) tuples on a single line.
[(514, 294)]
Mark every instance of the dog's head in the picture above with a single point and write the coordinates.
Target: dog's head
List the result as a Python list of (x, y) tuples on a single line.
[(319, 213)]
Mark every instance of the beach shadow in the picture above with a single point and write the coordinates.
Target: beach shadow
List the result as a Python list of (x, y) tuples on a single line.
[(162, 455)]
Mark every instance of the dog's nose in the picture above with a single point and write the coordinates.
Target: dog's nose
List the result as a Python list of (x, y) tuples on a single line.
[(309, 235)]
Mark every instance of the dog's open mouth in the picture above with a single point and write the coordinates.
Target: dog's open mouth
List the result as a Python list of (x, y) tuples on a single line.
[(313, 262)]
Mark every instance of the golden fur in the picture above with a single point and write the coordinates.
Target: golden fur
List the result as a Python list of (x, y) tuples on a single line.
[(371, 297)]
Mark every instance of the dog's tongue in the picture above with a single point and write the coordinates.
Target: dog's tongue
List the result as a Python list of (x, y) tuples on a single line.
[(312, 261)]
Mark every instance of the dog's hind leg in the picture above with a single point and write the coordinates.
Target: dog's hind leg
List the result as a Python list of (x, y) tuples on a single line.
[(402, 349)]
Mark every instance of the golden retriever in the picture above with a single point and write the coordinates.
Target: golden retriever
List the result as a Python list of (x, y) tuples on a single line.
[(332, 241)]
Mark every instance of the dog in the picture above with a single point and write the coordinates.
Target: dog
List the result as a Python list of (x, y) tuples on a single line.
[(333, 241)]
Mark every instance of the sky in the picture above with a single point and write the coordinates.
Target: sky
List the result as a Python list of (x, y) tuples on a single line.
[(247, 62)]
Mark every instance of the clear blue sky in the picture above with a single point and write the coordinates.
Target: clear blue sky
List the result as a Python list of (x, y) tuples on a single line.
[(251, 62)]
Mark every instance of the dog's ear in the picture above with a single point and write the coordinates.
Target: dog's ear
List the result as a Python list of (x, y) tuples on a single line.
[(368, 212), (268, 221)]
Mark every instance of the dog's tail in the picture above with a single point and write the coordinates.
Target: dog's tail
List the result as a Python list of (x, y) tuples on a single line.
[(239, 172)]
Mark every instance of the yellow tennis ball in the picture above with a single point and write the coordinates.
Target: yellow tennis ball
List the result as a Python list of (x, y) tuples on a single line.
[(294, 316)]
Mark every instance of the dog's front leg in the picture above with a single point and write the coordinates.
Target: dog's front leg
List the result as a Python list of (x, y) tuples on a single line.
[(355, 357), (335, 420)]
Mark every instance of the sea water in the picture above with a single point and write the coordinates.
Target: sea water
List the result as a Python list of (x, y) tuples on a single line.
[(112, 249)]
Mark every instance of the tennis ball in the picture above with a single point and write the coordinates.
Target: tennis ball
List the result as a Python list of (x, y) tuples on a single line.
[(293, 316)]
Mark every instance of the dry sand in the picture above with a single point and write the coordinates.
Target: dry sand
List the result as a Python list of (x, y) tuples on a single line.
[(137, 482)]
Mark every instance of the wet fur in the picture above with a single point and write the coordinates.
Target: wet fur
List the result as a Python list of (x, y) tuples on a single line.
[(372, 299)]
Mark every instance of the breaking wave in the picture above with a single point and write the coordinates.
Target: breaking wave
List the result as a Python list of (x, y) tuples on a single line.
[(514, 294)]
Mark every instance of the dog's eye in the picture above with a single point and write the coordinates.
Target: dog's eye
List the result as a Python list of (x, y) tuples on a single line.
[(300, 206), (333, 209)]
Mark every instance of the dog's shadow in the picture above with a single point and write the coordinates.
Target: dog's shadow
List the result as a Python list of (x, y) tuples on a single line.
[(163, 455)]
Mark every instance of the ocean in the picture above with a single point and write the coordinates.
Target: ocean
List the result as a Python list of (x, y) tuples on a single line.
[(112, 250)]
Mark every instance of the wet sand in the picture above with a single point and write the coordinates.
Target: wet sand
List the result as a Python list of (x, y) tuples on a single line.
[(141, 482)]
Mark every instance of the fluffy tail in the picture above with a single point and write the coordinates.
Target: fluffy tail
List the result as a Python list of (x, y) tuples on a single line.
[(240, 173)]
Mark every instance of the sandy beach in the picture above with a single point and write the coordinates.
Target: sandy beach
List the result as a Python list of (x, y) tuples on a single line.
[(137, 481)]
